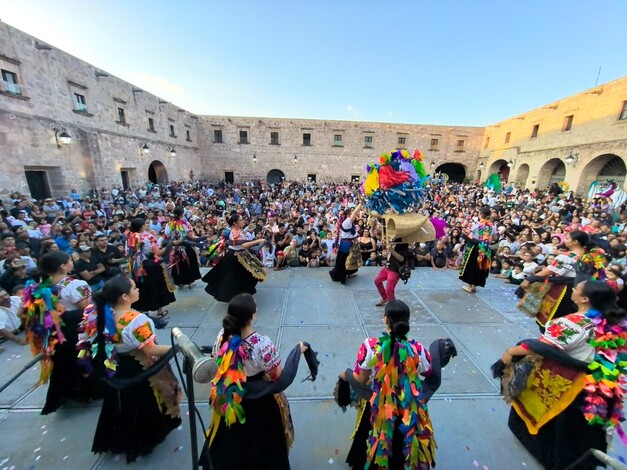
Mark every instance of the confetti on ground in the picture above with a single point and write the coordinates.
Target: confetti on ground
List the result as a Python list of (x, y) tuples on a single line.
[(178, 449), (36, 450), (468, 448), (330, 461), (63, 439), (475, 463), (66, 457), (180, 428)]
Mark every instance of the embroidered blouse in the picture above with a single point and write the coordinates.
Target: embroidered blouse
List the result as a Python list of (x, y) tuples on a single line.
[(367, 351), (261, 352), (135, 330), (72, 291), (571, 334), (236, 236), (565, 265)]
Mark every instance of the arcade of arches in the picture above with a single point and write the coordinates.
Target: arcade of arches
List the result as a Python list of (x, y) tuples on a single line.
[(603, 168)]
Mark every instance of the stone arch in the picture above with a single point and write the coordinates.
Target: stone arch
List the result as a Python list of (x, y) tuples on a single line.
[(522, 174), (553, 171), (500, 166), (275, 176), (157, 173), (606, 167), (455, 171)]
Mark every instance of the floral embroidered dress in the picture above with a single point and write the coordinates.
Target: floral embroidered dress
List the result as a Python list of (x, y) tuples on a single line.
[(477, 256), (261, 353)]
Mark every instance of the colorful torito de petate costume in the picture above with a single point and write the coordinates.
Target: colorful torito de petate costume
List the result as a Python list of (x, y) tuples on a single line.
[(150, 272), (51, 330), (138, 414), (567, 403), (183, 260)]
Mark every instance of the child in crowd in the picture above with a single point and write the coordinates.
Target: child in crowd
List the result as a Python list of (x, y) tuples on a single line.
[(506, 269), (517, 276), (529, 264), (613, 274), (267, 255)]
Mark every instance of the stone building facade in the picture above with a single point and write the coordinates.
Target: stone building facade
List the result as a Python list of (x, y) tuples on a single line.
[(301, 149), (122, 135), (579, 139), (119, 134)]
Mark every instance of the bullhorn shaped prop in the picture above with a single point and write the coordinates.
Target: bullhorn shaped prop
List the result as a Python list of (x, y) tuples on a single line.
[(408, 228)]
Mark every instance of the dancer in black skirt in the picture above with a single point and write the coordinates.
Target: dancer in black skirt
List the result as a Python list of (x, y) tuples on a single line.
[(476, 264), (247, 432), (156, 289), (119, 342), (54, 333), (239, 270), (345, 236), (182, 259)]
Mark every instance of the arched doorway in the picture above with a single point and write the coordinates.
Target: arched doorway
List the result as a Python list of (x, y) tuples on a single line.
[(521, 175), (455, 171), (157, 173), (604, 175), (553, 171), (275, 176), (500, 167)]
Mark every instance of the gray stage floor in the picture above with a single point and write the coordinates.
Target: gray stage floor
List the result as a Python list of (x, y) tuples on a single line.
[(468, 414)]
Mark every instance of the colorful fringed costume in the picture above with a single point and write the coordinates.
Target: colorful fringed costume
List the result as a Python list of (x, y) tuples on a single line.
[(477, 257), (183, 260), (51, 320), (493, 183), (138, 416), (43, 323), (393, 426), (151, 274), (247, 432)]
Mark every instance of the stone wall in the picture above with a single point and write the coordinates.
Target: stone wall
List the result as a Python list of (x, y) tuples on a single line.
[(324, 157), (596, 134)]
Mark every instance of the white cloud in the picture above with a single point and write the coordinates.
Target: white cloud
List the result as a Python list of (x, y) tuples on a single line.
[(159, 86), (352, 110)]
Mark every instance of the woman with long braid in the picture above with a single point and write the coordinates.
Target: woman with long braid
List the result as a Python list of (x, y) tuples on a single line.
[(399, 434), (251, 426), (477, 257), (119, 342)]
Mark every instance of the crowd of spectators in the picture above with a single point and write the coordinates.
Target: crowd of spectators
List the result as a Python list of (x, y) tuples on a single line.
[(298, 221)]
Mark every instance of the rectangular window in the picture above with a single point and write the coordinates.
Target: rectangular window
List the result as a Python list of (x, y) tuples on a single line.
[(487, 142), (623, 112), (121, 116), (188, 136), (568, 123), (306, 140), (229, 177), (172, 133), (337, 140), (243, 137), (79, 103), (217, 136), (355, 178), (10, 82), (435, 143), (401, 141), (151, 124), (368, 141), (507, 137), (274, 138), (534, 132), (460, 145), (311, 178)]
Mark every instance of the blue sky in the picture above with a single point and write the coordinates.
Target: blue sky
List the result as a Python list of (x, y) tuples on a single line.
[(454, 62)]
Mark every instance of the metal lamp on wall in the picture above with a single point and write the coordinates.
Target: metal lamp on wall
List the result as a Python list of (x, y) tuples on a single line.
[(172, 152), (254, 158), (572, 159), (144, 149), (61, 136), (510, 164), (295, 159)]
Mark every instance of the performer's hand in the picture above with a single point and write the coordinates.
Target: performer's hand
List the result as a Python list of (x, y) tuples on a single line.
[(303, 348), (506, 358), (343, 375), (524, 284)]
